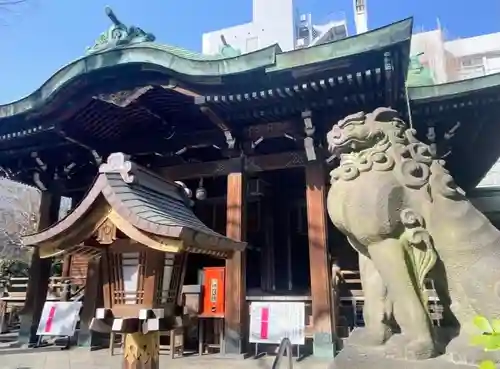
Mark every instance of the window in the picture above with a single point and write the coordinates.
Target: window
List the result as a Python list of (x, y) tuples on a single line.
[(474, 61), (130, 270), (252, 44)]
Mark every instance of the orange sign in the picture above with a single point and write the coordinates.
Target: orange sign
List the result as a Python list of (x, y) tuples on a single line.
[(213, 291)]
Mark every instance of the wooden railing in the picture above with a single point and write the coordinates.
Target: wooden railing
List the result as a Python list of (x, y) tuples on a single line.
[(351, 300), (60, 288), (14, 296)]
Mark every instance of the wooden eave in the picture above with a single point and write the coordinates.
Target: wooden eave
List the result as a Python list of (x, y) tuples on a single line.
[(344, 75), (144, 206), (452, 90), (467, 109)]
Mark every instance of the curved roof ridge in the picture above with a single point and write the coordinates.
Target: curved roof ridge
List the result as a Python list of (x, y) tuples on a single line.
[(204, 69), (171, 59)]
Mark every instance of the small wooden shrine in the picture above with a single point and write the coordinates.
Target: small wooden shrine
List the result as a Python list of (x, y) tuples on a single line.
[(137, 229)]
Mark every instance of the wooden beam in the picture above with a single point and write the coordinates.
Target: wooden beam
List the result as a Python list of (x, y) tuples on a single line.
[(271, 130), (236, 314), (214, 118), (254, 164), (321, 286), (223, 126), (174, 86)]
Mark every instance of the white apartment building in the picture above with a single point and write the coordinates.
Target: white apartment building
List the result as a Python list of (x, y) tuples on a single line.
[(457, 59), (275, 22)]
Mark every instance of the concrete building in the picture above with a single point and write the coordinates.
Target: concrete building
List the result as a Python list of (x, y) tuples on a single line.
[(275, 22), (452, 60)]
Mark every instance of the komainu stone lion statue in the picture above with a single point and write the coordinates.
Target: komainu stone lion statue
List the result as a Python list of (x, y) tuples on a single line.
[(404, 214)]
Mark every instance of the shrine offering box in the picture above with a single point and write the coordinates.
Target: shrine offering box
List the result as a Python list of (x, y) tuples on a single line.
[(214, 284)]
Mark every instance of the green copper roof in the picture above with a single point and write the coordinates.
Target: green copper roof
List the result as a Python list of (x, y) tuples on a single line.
[(377, 39), (453, 89), (123, 45), (169, 58)]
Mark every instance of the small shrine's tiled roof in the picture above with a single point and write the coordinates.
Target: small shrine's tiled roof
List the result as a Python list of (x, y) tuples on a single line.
[(158, 209)]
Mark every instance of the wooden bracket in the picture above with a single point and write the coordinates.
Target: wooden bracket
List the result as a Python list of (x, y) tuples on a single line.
[(147, 320), (217, 121), (173, 85), (389, 79), (126, 325), (103, 321), (309, 130)]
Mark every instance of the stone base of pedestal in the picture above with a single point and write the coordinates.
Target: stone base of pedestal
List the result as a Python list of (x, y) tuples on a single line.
[(356, 356), (352, 357)]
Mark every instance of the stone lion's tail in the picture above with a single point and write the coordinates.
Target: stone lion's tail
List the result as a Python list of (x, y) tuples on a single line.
[(421, 255)]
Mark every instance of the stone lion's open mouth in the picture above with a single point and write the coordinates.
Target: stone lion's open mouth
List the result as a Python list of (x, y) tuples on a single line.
[(345, 145)]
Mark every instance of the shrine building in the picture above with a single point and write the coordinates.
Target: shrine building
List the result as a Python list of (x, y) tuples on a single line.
[(245, 136)]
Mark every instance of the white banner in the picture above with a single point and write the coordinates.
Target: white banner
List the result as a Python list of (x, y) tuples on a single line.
[(270, 322), (59, 318)]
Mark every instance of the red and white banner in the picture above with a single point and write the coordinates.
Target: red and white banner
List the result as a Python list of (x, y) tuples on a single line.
[(270, 322), (59, 318)]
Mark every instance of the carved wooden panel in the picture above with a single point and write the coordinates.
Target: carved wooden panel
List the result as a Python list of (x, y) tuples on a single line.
[(106, 234)]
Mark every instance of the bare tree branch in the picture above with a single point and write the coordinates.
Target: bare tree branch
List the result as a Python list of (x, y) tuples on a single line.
[(19, 212), (10, 7)]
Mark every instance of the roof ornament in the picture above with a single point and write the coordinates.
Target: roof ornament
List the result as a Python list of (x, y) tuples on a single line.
[(119, 34), (418, 73), (226, 50), (119, 162)]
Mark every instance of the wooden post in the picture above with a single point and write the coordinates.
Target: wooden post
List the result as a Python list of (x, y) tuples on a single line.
[(236, 311), (142, 350), (321, 287), (66, 266), (92, 300), (39, 275)]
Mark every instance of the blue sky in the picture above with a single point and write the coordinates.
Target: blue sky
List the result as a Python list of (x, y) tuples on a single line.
[(40, 36)]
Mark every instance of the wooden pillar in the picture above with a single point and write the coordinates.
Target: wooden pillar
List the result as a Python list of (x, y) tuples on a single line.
[(236, 308), (66, 266), (142, 349), (39, 275), (321, 288), (92, 299)]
